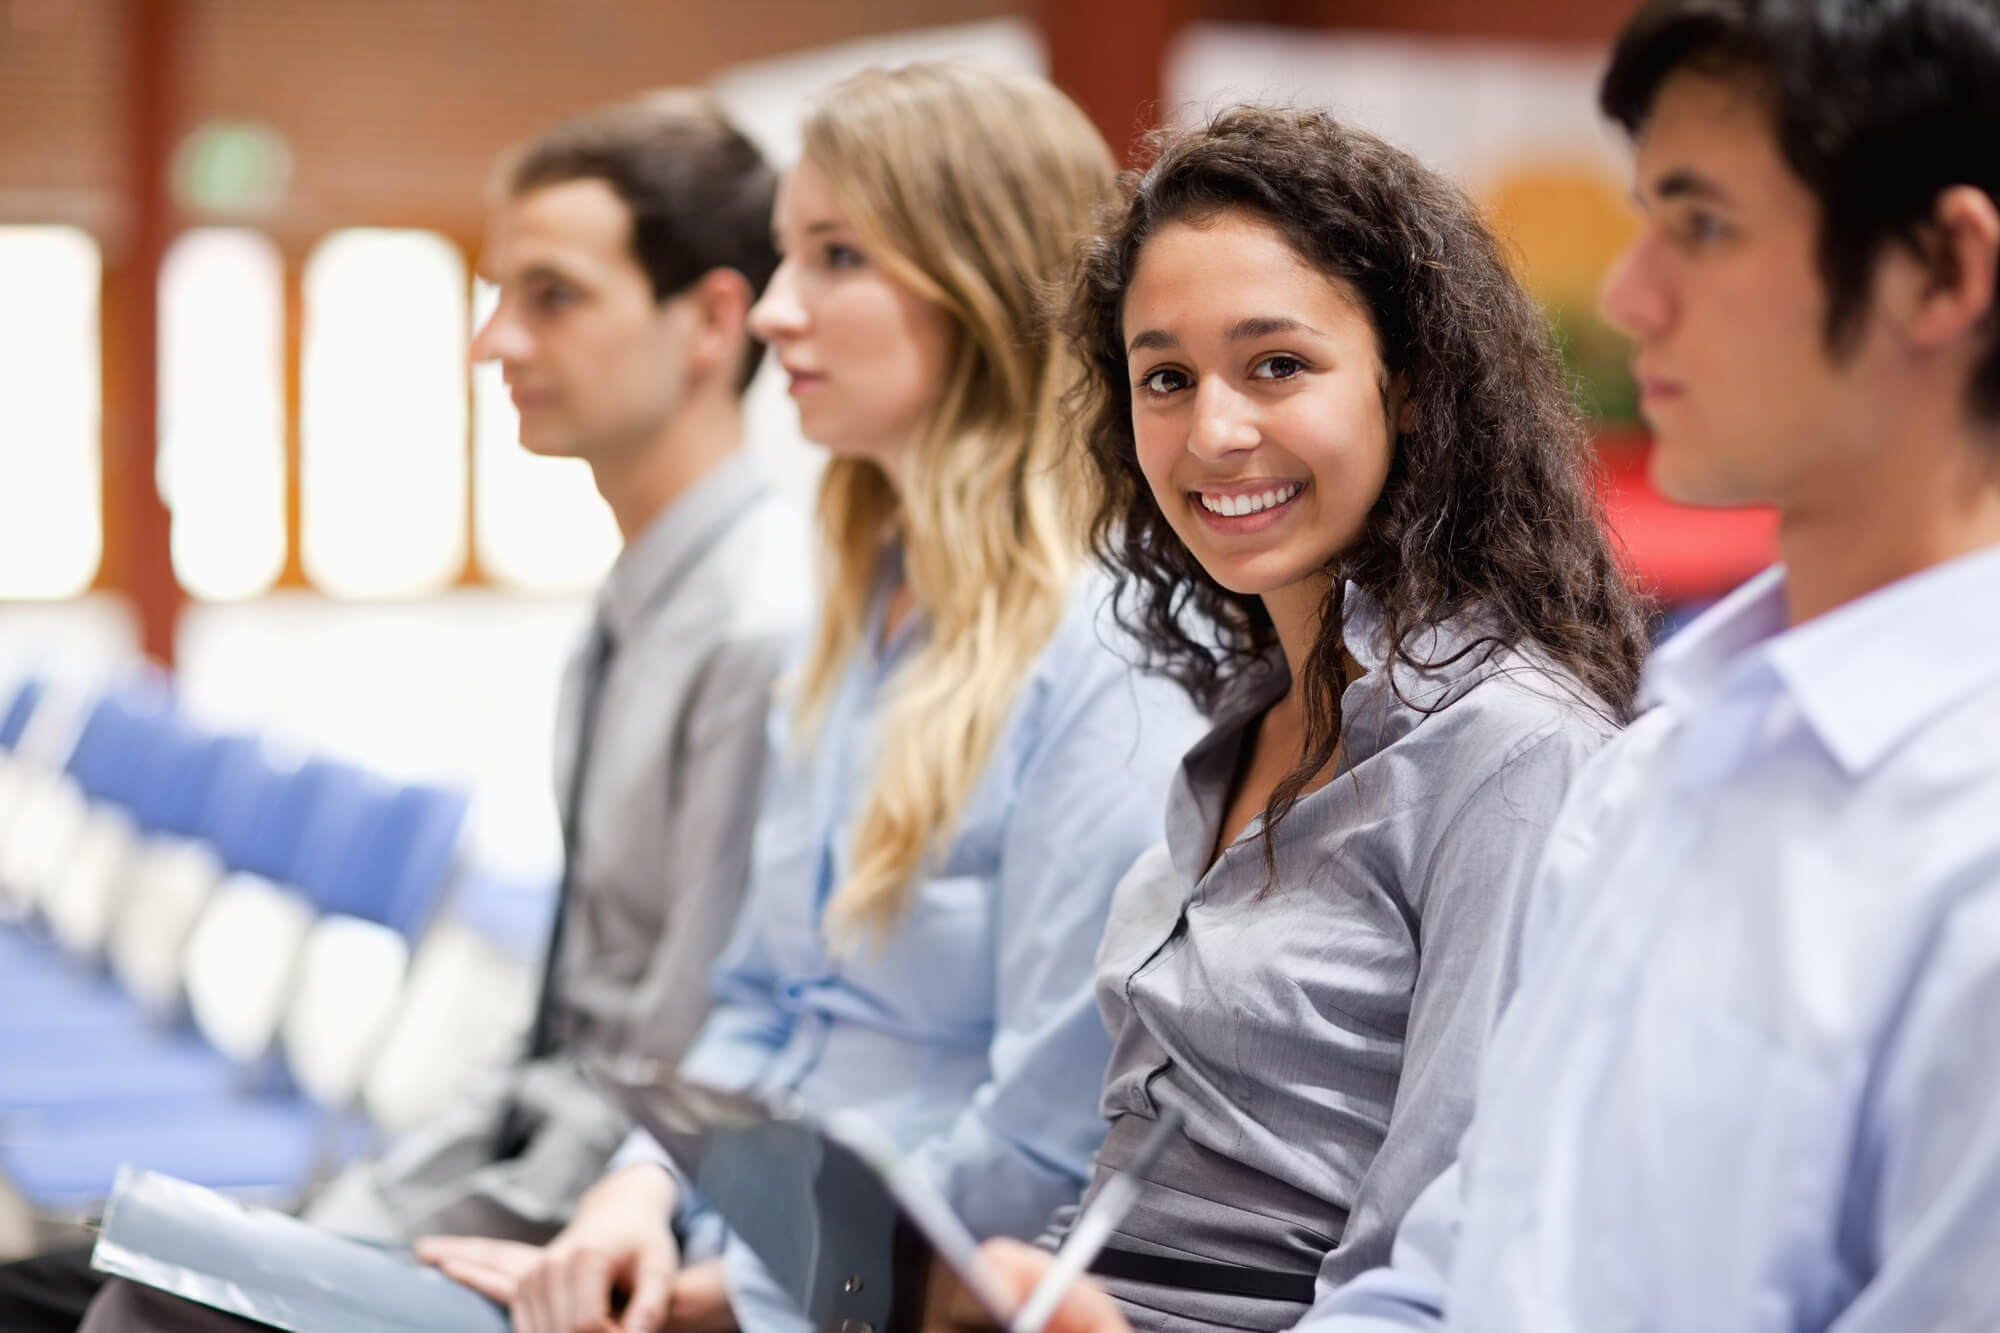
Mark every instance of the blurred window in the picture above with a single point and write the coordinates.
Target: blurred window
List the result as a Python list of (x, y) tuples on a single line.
[(383, 416), (51, 525), (222, 413), (538, 523)]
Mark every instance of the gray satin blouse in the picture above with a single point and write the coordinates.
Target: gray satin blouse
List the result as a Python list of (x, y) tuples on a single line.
[(1322, 1033)]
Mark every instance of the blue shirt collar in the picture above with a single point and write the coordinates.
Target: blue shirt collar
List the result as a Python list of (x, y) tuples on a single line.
[(1865, 675)]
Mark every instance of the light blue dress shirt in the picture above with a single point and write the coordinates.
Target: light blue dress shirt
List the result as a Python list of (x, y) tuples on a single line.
[(969, 1033), (1751, 1080)]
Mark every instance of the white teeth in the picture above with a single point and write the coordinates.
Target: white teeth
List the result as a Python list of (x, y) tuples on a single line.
[(1235, 506)]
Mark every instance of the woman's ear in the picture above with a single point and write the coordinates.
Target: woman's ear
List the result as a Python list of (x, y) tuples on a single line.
[(1402, 411)]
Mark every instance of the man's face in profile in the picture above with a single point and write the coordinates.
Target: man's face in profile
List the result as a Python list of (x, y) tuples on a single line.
[(595, 366), (1722, 295)]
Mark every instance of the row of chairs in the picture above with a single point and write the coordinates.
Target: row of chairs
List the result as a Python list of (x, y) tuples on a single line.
[(211, 962)]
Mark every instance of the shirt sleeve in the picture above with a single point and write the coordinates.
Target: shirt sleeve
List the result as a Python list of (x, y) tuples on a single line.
[(745, 1026), (639, 1146), (719, 763), (1091, 799), (697, 1227), (1410, 1292), (1923, 1217), (1470, 901)]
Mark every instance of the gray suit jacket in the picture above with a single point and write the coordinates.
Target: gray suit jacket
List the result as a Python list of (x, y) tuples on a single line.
[(700, 620)]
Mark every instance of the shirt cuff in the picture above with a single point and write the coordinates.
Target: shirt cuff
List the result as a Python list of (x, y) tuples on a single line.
[(698, 1227)]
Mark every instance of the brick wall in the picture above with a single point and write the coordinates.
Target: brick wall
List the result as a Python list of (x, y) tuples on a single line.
[(394, 109)]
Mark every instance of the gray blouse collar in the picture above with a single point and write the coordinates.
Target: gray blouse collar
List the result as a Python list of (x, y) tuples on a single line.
[(1377, 710), (1448, 654)]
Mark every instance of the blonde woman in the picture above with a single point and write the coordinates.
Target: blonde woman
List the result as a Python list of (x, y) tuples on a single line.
[(965, 767)]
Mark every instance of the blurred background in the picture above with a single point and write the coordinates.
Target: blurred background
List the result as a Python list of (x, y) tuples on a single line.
[(237, 430), (244, 466)]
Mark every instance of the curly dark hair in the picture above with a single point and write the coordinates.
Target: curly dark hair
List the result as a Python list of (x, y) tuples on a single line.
[(1489, 501)]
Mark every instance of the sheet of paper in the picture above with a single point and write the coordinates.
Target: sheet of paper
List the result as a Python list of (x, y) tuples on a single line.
[(272, 1268)]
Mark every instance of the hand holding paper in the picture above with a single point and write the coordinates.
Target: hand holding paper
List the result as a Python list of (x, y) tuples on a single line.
[(619, 1243), (493, 1268)]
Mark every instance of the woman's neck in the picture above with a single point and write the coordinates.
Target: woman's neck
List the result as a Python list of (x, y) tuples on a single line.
[(1296, 617), (1277, 739), (1295, 612)]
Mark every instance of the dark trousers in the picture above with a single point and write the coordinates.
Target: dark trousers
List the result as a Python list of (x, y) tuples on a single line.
[(48, 1293)]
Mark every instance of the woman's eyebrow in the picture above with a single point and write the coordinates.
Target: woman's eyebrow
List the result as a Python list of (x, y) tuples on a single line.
[(1254, 326), (1263, 326)]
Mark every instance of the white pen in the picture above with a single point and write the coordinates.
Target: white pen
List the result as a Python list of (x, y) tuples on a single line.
[(1094, 1227)]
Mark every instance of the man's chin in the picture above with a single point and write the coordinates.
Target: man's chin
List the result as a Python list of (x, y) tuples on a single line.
[(1687, 477), (549, 445)]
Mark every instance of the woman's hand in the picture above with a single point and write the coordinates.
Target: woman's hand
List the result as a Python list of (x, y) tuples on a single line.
[(1084, 1309), (619, 1241), (493, 1268), (700, 1301)]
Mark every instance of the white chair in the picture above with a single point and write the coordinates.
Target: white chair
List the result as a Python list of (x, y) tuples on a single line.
[(170, 885), (350, 975), (238, 966), (52, 830), (16, 775), (84, 892), (51, 820), (466, 1004), (36, 762)]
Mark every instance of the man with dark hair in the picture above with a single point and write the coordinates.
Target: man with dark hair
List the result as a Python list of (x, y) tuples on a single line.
[(627, 247), (1749, 1080)]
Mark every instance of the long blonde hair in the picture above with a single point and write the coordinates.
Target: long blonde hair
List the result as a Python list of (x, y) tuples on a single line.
[(972, 188)]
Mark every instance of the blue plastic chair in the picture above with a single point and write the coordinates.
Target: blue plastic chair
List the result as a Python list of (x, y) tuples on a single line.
[(117, 733), (304, 827), (188, 767), (394, 874), (399, 877), (44, 1011), (205, 763), (222, 790), (169, 776), (20, 708)]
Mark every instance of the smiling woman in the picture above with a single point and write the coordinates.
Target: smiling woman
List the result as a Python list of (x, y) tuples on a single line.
[(1322, 412), (1266, 523)]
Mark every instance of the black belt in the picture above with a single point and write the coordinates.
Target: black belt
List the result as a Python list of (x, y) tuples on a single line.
[(1198, 1275)]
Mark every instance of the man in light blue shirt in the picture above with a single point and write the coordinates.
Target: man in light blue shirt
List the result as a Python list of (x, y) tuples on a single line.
[(1751, 1079)]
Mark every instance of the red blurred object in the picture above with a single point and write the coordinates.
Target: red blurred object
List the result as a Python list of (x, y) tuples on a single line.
[(1677, 552)]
